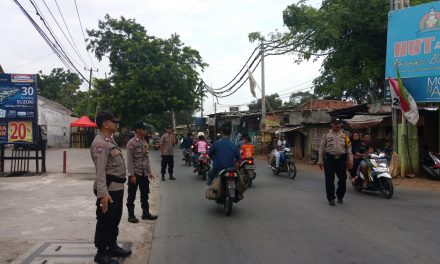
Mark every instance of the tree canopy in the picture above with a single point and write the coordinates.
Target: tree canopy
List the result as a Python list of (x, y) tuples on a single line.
[(272, 101), (149, 75), (352, 36), (60, 86)]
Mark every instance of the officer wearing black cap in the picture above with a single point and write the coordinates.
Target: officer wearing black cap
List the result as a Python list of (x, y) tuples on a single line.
[(139, 173), (334, 154), (109, 189), (167, 142)]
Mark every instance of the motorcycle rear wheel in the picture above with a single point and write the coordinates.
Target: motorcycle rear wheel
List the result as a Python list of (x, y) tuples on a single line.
[(203, 176), (228, 205), (387, 189)]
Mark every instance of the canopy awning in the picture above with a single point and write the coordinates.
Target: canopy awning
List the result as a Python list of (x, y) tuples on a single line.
[(84, 121), (365, 121), (274, 130)]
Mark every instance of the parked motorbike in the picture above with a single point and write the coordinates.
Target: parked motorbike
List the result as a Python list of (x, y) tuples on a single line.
[(247, 169), (378, 174), (229, 180), (431, 164), (286, 163)]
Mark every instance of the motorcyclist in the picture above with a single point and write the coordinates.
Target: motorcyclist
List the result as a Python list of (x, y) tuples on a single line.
[(247, 150), (279, 150), (201, 146), (187, 143), (364, 149), (224, 155)]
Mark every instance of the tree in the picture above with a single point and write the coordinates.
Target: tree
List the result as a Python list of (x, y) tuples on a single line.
[(299, 98), (149, 75), (60, 86), (272, 102), (352, 36)]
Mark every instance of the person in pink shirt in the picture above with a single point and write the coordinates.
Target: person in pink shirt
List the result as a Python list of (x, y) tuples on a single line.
[(201, 146)]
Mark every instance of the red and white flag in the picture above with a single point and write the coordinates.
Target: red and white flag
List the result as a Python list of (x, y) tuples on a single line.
[(407, 103)]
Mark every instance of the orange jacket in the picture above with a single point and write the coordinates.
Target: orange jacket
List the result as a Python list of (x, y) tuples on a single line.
[(247, 151)]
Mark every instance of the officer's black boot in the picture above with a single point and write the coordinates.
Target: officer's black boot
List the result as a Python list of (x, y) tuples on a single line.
[(131, 217), (147, 216), (117, 251), (171, 177), (103, 257), (163, 177)]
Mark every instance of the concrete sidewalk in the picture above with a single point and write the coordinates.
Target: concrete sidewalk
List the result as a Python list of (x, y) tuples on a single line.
[(61, 207)]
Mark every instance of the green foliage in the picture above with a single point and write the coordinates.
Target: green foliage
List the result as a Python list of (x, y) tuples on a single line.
[(149, 75), (351, 34), (299, 98), (272, 100), (61, 86)]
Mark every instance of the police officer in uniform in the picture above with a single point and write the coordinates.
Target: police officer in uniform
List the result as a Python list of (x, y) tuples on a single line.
[(109, 189), (334, 155), (139, 173)]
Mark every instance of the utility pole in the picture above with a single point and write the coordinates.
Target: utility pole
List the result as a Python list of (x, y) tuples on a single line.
[(263, 96), (90, 78)]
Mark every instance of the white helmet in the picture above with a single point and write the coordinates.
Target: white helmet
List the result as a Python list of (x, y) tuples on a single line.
[(200, 134)]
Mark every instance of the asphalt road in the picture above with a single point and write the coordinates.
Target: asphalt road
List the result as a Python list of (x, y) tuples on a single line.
[(288, 221)]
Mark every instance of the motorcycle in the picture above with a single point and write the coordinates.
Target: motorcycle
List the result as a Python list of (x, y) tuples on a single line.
[(187, 156), (314, 156), (247, 169), (378, 174), (286, 163), (202, 165), (228, 191), (431, 164), (156, 144)]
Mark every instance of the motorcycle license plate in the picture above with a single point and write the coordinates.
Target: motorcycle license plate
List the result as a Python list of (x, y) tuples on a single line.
[(250, 167)]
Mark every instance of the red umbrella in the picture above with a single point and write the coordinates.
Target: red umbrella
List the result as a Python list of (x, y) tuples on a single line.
[(84, 121)]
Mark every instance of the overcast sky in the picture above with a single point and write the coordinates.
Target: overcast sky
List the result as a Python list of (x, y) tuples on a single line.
[(218, 29)]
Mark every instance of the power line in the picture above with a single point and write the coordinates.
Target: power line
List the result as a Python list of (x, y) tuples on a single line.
[(30, 62), (56, 48), (82, 32), (62, 31), (68, 31)]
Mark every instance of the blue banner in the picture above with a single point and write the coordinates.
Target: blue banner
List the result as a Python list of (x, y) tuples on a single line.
[(18, 108), (413, 47)]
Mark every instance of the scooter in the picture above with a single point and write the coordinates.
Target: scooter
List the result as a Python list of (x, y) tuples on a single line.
[(156, 144), (378, 174), (228, 190), (247, 170), (431, 164), (286, 163)]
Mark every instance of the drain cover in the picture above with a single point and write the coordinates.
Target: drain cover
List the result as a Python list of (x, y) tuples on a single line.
[(64, 253)]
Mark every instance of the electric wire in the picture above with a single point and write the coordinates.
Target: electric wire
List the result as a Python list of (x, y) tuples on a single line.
[(82, 32), (70, 34), (30, 62)]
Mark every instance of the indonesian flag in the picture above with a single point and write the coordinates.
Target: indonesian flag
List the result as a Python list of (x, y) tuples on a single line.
[(407, 103)]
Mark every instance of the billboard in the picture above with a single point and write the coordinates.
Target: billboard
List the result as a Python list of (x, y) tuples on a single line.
[(413, 47), (18, 108)]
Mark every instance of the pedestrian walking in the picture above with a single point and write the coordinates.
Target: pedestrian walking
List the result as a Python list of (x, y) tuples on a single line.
[(334, 155), (109, 189), (139, 173), (166, 152)]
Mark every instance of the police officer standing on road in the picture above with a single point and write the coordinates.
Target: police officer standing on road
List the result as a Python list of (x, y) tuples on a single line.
[(109, 189), (166, 152), (334, 154), (139, 173)]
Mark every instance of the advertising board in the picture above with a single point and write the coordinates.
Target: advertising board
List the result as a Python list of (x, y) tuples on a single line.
[(18, 108)]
